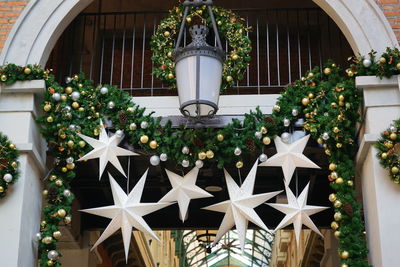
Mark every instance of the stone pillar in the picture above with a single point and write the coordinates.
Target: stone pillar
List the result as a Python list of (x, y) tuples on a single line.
[(381, 197), (20, 210)]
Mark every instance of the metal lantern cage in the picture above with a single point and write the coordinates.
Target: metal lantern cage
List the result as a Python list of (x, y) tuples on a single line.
[(198, 67)]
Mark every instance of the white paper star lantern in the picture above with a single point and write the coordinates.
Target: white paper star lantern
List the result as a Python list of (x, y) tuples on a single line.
[(239, 209), (290, 156), (127, 212), (297, 212), (183, 190), (107, 150)]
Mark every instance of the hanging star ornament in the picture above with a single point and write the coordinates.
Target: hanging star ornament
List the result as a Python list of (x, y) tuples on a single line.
[(183, 190), (239, 209), (127, 212), (290, 156), (107, 150), (297, 212)]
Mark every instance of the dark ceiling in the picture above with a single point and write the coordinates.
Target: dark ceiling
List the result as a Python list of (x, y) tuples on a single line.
[(91, 192)]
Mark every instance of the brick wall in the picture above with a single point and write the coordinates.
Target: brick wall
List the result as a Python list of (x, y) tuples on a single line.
[(391, 9), (10, 10)]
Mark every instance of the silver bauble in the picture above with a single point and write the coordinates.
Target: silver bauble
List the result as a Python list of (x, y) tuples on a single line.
[(72, 127), (295, 112), (199, 164), (258, 135), (237, 151), (185, 163), (67, 193), (185, 150), (285, 137), (68, 79), (276, 108), (75, 95), (144, 124), (111, 105), (52, 255), (56, 96), (325, 136), (263, 157), (7, 177), (155, 160), (164, 157), (70, 160), (38, 236), (286, 122), (104, 90), (367, 63), (119, 133), (393, 128)]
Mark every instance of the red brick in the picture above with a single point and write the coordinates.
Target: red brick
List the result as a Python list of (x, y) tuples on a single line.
[(5, 8), (17, 3), (388, 1)]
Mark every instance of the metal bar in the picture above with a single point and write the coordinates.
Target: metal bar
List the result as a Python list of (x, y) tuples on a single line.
[(277, 51), (320, 40), (102, 51), (143, 50), (214, 26), (309, 42), (152, 63), (133, 49), (248, 67), (113, 50), (93, 42), (288, 49), (299, 44), (258, 58), (123, 54), (267, 52), (72, 49), (182, 29), (82, 44)]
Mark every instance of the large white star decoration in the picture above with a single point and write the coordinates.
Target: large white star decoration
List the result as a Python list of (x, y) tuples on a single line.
[(239, 209), (297, 212), (127, 212), (107, 150), (290, 156), (183, 190)]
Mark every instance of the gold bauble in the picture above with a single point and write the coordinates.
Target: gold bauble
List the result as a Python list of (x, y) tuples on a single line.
[(49, 119), (70, 166), (350, 183), (320, 141), (327, 71), (64, 169), (311, 95), (96, 132), (199, 11), (75, 105), (332, 166), (167, 33), (305, 101), (202, 155), (344, 255), (327, 152), (47, 240), (132, 126), (70, 144), (45, 192), (219, 22), (210, 154), (333, 105), (239, 164), (220, 137), (80, 85), (393, 136), (384, 155), (144, 139), (63, 135), (68, 90), (27, 71), (82, 143), (235, 57), (76, 77), (12, 146), (263, 130), (337, 234), (58, 182), (341, 98), (14, 164), (395, 170), (3, 78), (389, 144), (81, 109), (310, 75), (67, 219), (1, 189), (47, 107), (341, 103), (266, 140), (339, 180), (344, 265), (334, 175), (332, 197), (130, 109), (57, 234), (339, 145), (334, 225), (61, 213), (153, 144), (169, 54), (171, 76), (50, 263), (398, 66), (52, 178), (63, 98), (336, 129), (189, 19), (229, 78), (337, 204), (382, 60), (337, 216), (43, 224)]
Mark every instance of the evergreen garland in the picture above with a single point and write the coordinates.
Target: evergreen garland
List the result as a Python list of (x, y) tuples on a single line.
[(8, 164), (388, 147), (231, 28)]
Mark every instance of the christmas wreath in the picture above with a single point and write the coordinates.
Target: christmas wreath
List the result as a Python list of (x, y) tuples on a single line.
[(389, 150), (8, 164), (231, 28)]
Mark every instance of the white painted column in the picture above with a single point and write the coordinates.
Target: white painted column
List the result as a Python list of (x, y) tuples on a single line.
[(20, 210), (381, 196)]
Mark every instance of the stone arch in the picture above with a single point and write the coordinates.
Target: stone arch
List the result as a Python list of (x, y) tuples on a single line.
[(42, 22)]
